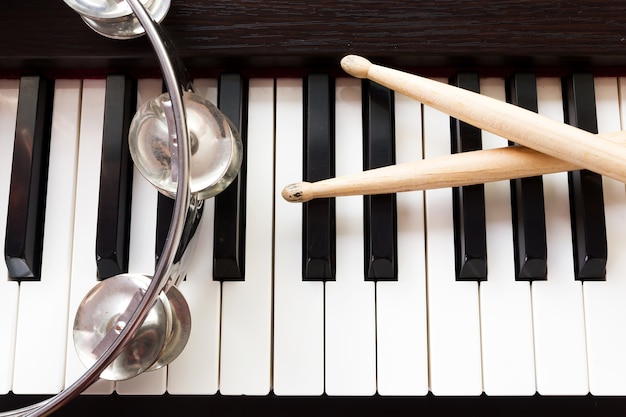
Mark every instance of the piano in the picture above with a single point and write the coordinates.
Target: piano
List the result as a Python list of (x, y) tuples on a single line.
[(502, 298)]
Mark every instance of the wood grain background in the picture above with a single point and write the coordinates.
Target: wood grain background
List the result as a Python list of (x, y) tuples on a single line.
[(296, 33)]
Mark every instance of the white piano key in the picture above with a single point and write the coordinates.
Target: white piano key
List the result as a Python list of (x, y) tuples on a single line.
[(298, 304), (350, 300), (50, 295), (401, 326), (505, 304), (141, 247), (558, 317), (453, 306), (84, 272), (245, 366), (196, 370), (604, 300), (9, 290)]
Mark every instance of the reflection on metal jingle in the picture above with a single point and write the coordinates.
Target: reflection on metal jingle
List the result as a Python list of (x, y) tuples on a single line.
[(115, 19), (215, 146), (104, 312)]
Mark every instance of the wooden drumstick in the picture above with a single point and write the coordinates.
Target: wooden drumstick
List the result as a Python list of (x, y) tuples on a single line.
[(454, 170), (581, 148)]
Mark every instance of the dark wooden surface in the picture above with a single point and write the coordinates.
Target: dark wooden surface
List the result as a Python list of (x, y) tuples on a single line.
[(324, 406), (223, 34)]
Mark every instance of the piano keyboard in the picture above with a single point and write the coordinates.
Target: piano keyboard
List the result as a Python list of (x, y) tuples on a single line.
[(420, 331)]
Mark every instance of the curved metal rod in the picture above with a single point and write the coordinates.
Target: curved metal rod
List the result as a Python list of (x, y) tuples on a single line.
[(177, 225)]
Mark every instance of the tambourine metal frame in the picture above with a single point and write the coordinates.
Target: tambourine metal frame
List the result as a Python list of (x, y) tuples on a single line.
[(167, 272)]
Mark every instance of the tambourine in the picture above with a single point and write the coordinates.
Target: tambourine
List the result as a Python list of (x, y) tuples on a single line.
[(190, 151)]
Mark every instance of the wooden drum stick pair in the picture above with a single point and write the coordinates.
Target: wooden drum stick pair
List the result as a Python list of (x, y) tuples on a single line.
[(548, 146)]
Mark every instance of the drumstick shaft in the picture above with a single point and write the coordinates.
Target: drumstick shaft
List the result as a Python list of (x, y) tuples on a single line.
[(446, 171), (454, 170), (521, 126)]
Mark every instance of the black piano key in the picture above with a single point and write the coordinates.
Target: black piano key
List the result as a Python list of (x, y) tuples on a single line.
[(113, 230), (318, 216), (379, 210), (585, 187), (165, 210), (27, 193), (470, 233), (230, 204), (527, 202)]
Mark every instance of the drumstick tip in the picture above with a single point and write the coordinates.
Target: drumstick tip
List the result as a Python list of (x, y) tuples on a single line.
[(355, 65), (297, 192)]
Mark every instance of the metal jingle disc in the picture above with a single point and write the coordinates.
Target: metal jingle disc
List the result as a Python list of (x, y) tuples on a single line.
[(215, 146), (115, 19), (180, 331), (103, 314), (112, 9)]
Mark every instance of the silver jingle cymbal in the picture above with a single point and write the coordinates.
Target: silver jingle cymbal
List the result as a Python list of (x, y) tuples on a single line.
[(180, 331), (115, 19), (214, 143), (103, 314)]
